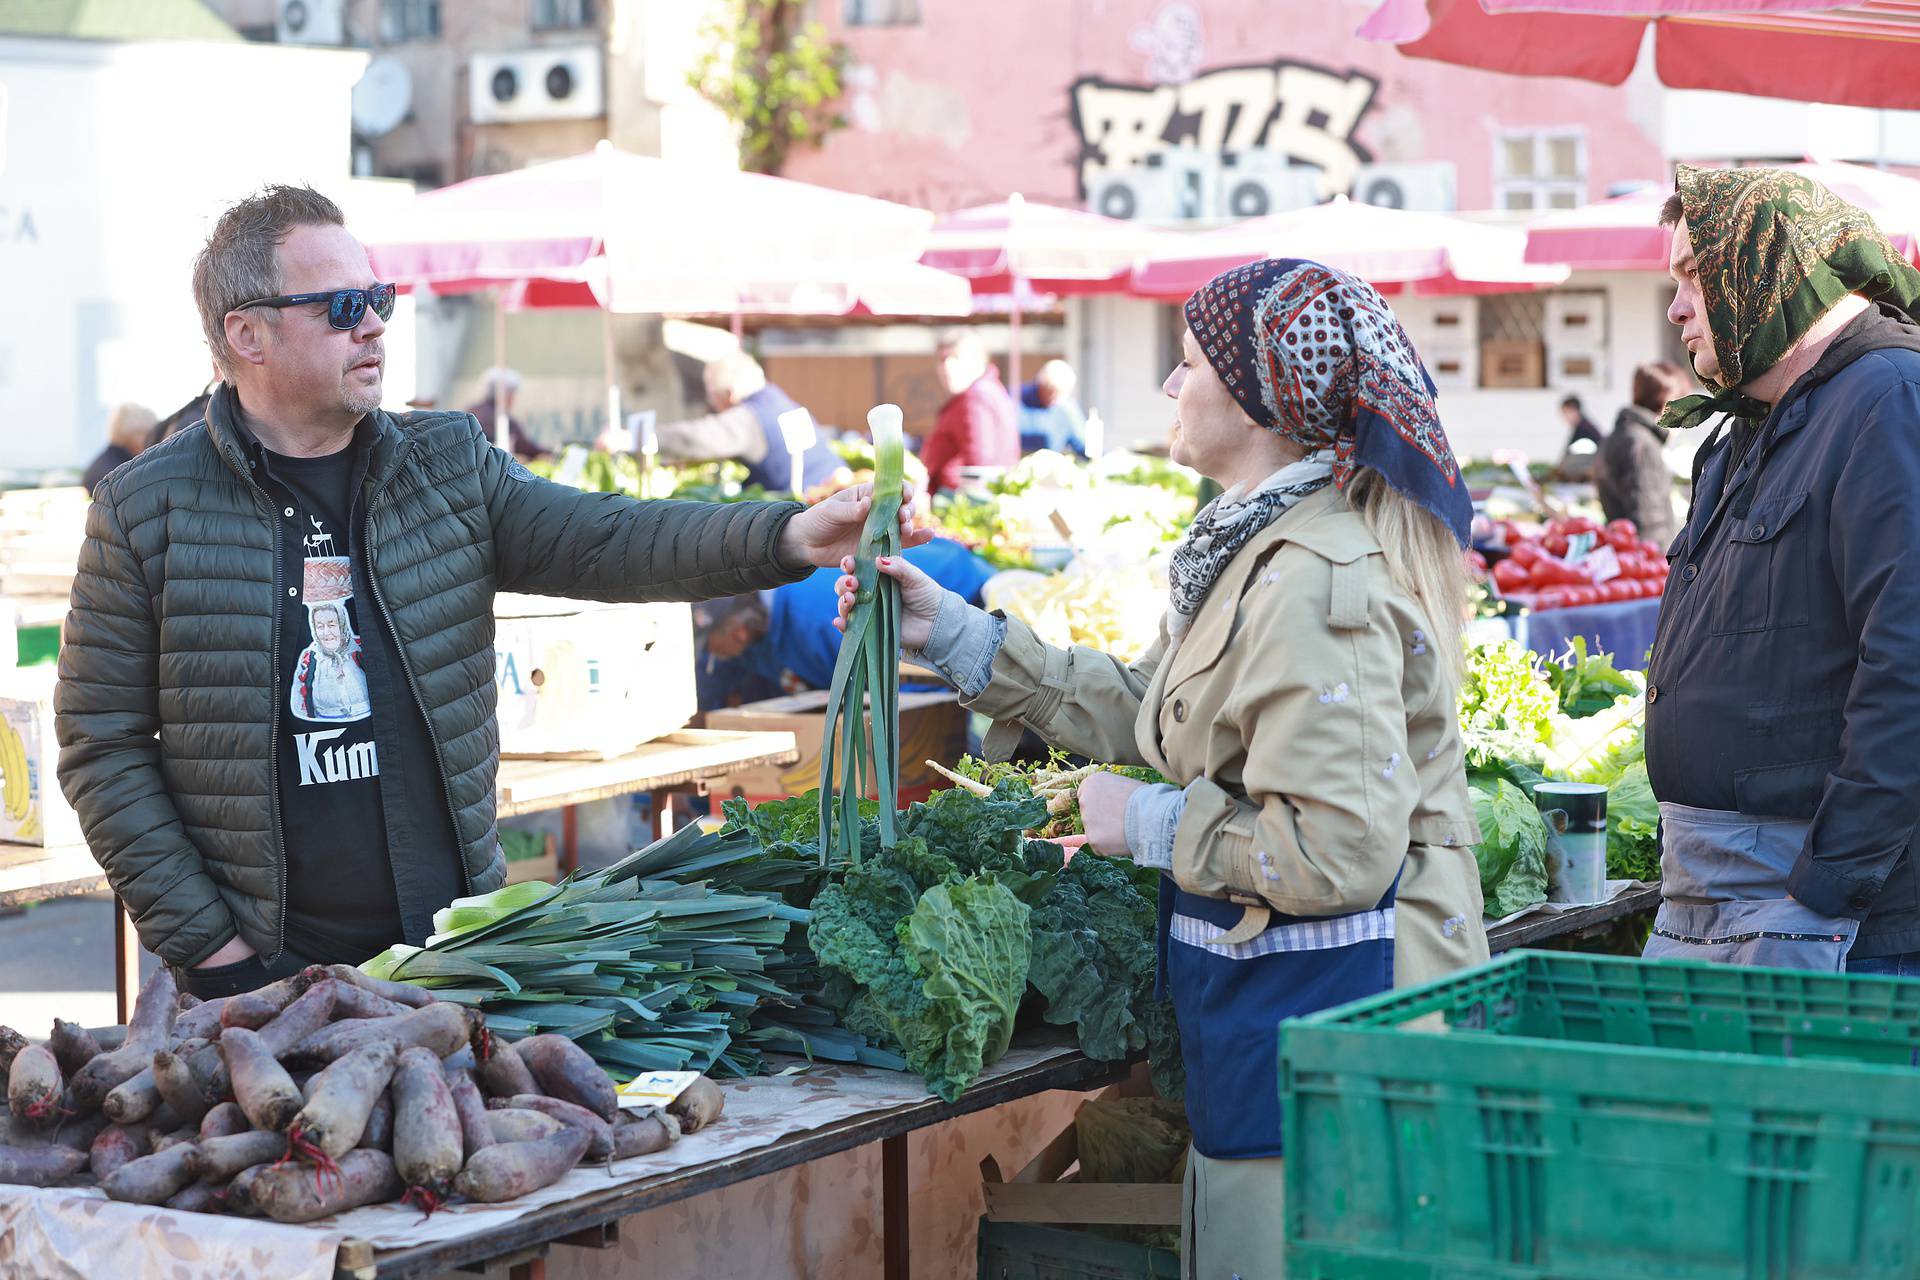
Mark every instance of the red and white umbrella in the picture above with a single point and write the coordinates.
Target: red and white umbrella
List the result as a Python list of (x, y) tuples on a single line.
[(1861, 53), (1623, 234), (1391, 249)]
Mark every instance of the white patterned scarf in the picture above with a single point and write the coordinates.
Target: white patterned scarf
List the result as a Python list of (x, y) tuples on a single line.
[(1227, 524)]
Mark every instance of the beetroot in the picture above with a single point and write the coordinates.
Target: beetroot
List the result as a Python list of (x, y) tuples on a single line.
[(426, 1127), (510, 1169), (73, 1046), (261, 1085), (39, 1166), (565, 1070), (34, 1084), (334, 1119), (148, 1031), (294, 1193)]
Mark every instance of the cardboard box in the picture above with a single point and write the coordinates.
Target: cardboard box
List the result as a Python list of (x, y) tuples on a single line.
[(1507, 364), (932, 727), (579, 680), (1049, 1190), (32, 808)]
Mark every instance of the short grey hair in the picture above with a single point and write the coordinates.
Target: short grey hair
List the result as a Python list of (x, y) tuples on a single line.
[(499, 379), (735, 375), (1057, 376), (130, 426), (239, 262), (962, 342)]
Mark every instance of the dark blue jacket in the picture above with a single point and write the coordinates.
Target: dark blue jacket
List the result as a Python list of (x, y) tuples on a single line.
[(1785, 679), (774, 471)]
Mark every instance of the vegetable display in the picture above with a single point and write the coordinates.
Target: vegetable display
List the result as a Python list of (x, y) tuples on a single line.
[(293, 1132), (1578, 562)]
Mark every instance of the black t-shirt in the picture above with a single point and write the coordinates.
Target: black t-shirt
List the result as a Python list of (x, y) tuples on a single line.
[(364, 815)]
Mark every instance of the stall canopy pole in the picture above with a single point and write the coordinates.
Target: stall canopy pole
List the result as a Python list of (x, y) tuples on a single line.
[(739, 329), (1013, 341), (607, 364), (501, 436)]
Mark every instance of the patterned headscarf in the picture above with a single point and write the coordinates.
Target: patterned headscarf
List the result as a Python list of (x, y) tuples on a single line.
[(1316, 356), (1776, 251)]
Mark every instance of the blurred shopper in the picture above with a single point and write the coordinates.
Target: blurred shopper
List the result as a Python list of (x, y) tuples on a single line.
[(1633, 478), (976, 426), (129, 427), (1578, 455), (1785, 679), (1050, 417), (501, 386), (744, 427)]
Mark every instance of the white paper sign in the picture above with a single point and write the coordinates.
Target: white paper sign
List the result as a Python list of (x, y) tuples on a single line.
[(798, 430), (655, 1088), (573, 466)]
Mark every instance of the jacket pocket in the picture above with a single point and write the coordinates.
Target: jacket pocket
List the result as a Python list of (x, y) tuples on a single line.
[(1783, 790), (1764, 579)]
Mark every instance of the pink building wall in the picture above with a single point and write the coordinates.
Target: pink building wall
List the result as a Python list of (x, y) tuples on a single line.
[(976, 99)]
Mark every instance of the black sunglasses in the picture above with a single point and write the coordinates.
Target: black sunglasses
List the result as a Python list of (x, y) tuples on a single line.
[(346, 308)]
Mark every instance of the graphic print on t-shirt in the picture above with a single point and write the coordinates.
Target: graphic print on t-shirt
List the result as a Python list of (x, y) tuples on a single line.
[(329, 681)]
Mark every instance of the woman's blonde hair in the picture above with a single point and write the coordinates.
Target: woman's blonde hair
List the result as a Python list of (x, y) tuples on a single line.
[(1423, 558)]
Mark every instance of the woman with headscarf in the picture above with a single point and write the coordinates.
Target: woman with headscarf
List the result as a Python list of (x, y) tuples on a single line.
[(1316, 836), (1785, 677)]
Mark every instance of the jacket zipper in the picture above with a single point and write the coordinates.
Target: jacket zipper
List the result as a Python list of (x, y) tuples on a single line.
[(406, 668), (273, 716)]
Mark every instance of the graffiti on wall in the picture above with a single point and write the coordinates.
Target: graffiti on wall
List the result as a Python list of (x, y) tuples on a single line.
[(1307, 114)]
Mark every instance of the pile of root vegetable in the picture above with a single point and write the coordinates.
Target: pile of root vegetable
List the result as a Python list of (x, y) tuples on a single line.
[(313, 1095)]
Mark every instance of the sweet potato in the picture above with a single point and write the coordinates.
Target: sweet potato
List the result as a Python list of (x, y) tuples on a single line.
[(379, 1134), (133, 1098), (503, 1074), (34, 1084), (300, 1019), (78, 1132), (223, 1120), (151, 1179), (426, 1128), (475, 1133), (178, 1089), (569, 1113), (564, 1070), (148, 1031), (398, 992), (510, 1125), (441, 1027), (39, 1166), (334, 1119), (73, 1046), (197, 1197), (510, 1169), (255, 1009), (11, 1043), (261, 1085), (698, 1105), (351, 1000), (643, 1131), (220, 1159), (296, 1193)]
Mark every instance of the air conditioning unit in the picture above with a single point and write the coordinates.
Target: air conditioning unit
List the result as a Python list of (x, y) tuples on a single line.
[(1429, 187), (536, 84), (1256, 183), (1176, 185), (311, 22)]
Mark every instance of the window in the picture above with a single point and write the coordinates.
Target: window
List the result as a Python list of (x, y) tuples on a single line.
[(1513, 351), (409, 20), (880, 13), (1540, 170), (562, 15)]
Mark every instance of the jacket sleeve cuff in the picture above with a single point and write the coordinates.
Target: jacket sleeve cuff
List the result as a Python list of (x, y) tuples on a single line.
[(1815, 887), (963, 643), (1153, 821)]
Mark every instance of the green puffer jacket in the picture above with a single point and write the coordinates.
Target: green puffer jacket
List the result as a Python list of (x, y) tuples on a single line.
[(168, 698)]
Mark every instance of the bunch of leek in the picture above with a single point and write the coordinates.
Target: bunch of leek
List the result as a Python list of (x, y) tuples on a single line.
[(866, 676)]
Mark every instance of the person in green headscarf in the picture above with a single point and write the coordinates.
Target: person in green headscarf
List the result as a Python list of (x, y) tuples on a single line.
[(1785, 677)]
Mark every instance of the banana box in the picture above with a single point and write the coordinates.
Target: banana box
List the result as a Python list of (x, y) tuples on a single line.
[(32, 809)]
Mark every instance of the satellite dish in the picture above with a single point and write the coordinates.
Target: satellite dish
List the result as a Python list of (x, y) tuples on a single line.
[(382, 98)]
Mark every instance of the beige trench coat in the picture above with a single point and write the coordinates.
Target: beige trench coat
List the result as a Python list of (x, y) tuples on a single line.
[(1307, 715)]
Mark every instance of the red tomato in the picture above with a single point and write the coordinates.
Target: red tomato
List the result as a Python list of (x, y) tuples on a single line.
[(1556, 544), (1554, 599), (1509, 576), (1649, 547), (1623, 526), (1525, 553)]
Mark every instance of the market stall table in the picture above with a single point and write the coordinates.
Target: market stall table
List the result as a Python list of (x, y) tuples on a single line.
[(1624, 629)]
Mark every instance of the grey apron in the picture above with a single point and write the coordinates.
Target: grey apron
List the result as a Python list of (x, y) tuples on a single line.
[(1723, 879)]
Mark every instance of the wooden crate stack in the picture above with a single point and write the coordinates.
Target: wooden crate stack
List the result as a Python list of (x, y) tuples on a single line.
[(41, 531)]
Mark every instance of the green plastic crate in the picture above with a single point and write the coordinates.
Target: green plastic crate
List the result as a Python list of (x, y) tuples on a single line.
[(1603, 1118), (1022, 1251)]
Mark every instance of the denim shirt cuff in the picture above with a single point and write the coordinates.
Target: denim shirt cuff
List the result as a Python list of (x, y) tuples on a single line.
[(1153, 816), (963, 643)]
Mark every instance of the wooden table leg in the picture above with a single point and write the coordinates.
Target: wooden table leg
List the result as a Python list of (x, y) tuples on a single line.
[(535, 1269), (894, 1233), (126, 961), (569, 841), (662, 813)]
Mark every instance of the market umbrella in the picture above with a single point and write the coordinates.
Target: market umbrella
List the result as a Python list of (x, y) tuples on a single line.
[(639, 234), (1623, 234), (1012, 248), (1859, 54), (1388, 248)]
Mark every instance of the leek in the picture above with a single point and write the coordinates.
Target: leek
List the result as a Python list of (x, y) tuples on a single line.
[(866, 676)]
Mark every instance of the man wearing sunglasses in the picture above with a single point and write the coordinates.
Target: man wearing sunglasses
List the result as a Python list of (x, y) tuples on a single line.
[(276, 699)]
